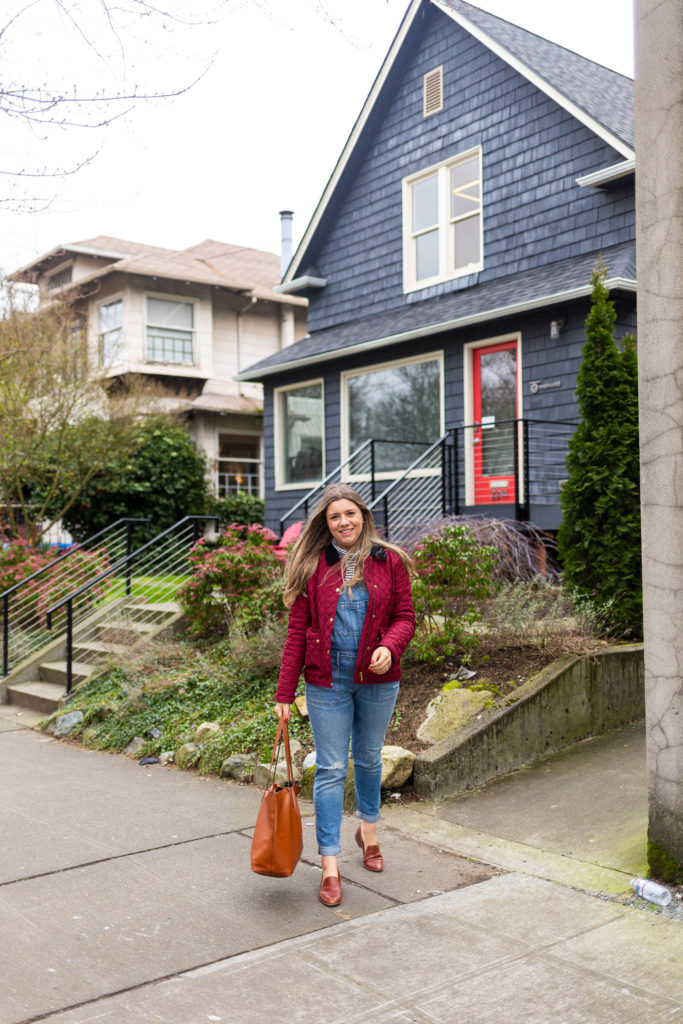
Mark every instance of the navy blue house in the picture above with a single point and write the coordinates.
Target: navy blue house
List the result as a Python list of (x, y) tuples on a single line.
[(448, 267)]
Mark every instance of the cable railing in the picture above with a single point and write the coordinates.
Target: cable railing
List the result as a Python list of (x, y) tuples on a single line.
[(24, 629), (154, 573), (366, 470), (512, 468)]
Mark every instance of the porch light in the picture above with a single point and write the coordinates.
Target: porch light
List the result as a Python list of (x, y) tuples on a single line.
[(555, 329)]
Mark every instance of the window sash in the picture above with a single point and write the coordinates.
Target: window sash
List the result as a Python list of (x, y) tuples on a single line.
[(301, 440), (453, 246)]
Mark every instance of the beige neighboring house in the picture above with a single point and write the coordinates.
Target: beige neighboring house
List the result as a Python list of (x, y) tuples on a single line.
[(191, 319)]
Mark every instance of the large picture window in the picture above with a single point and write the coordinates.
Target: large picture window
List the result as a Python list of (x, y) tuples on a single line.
[(299, 412), (169, 331), (399, 404), (442, 221), (110, 335)]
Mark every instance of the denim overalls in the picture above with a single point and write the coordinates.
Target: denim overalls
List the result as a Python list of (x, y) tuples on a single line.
[(348, 712)]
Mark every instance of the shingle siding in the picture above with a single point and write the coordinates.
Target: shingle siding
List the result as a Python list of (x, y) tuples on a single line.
[(533, 150), (543, 360)]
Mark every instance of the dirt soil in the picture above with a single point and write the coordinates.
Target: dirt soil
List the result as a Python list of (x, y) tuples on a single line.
[(506, 668)]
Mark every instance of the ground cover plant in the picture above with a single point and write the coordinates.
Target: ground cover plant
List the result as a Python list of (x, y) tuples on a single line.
[(477, 629)]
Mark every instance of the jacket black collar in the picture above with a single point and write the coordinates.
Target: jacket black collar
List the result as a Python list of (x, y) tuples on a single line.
[(332, 556)]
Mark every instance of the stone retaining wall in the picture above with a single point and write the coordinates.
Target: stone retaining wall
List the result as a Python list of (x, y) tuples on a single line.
[(570, 700)]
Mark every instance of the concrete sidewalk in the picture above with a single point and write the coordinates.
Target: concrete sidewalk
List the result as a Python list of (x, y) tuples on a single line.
[(126, 897)]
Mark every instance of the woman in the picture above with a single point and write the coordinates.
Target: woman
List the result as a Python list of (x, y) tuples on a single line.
[(351, 617)]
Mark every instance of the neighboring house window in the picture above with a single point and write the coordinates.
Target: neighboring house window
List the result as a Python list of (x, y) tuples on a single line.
[(400, 404), (299, 434), (432, 92), (442, 222), (61, 278), (170, 331), (111, 332), (239, 464)]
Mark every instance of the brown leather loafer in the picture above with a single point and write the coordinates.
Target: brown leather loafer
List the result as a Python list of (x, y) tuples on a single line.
[(372, 858), (330, 891)]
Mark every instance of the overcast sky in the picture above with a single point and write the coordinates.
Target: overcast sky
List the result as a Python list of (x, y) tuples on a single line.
[(260, 132)]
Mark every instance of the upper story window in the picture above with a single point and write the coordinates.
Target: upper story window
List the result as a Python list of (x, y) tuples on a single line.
[(169, 332), (442, 222), (299, 434), (110, 335), (59, 279)]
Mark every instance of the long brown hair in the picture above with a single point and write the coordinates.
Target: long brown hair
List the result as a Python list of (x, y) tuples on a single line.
[(316, 536)]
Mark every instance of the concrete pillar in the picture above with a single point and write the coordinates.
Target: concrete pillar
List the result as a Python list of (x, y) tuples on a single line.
[(659, 206)]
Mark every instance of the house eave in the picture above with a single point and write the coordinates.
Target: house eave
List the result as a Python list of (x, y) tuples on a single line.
[(607, 174), (613, 284), (299, 284)]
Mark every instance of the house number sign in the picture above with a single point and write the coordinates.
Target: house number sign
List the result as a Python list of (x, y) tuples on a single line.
[(543, 385)]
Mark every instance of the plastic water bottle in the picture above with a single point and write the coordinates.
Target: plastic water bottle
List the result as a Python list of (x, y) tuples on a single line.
[(648, 890)]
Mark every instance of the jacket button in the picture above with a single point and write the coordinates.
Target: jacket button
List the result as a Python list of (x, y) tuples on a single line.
[(317, 641), (331, 620)]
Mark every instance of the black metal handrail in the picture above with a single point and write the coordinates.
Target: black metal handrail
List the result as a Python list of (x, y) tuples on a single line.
[(337, 471), (6, 594), (127, 561)]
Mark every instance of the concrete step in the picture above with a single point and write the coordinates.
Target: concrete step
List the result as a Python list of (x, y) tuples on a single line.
[(55, 672), (84, 651), (123, 633), (37, 694), (170, 607)]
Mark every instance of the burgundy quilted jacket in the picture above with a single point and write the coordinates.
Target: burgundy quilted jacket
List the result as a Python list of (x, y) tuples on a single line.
[(389, 622)]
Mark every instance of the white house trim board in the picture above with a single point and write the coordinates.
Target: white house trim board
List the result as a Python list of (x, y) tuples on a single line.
[(540, 83), (607, 174), (623, 284)]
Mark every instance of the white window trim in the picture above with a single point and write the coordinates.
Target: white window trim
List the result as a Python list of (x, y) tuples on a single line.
[(278, 440), (345, 418), (468, 407), (109, 301), (410, 283), (169, 298)]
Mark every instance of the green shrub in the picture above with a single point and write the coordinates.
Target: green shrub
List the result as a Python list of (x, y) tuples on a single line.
[(240, 508), (454, 574), (239, 578)]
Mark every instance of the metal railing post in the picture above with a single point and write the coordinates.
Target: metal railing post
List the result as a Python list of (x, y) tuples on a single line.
[(456, 481), (525, 465), (5, 634), (444, 483), (69, 645), (372, 470), (385, 503)]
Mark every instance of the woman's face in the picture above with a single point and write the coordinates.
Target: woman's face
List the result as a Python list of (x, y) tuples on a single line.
[(345, 522)]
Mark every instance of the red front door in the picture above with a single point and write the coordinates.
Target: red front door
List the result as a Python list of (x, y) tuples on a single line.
[(495, 371)]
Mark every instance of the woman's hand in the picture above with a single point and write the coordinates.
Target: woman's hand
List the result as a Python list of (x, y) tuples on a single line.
[(380, 661), (283, 709)]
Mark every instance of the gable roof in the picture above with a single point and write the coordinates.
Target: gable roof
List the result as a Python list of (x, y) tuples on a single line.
[(209, 262), (600, 98), (562, 281)]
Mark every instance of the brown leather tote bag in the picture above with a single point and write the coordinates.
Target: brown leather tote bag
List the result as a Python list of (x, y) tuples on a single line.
[(277, 844)]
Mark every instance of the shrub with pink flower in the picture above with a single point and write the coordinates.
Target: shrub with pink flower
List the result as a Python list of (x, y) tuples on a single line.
[(238, 578)]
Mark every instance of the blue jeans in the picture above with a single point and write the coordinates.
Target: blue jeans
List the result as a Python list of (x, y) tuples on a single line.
[(359, 713)]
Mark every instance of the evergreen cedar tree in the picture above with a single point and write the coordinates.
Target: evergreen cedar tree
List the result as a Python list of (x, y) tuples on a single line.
[(599, 539)]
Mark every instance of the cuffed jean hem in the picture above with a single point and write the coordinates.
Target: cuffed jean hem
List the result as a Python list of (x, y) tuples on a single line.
[(371, 819), (327, 851)]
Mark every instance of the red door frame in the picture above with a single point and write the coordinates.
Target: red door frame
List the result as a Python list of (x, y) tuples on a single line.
[(484, 492)]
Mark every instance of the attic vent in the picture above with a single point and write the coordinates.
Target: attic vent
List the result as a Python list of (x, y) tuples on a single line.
[(433, 91)]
